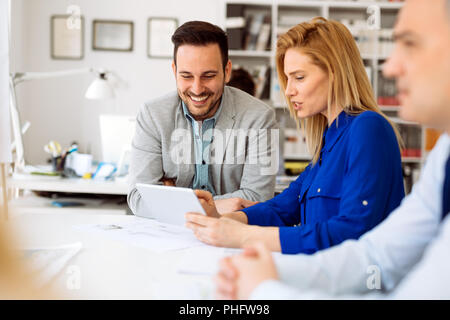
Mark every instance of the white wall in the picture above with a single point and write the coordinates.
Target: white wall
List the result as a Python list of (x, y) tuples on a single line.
[(57, 108)]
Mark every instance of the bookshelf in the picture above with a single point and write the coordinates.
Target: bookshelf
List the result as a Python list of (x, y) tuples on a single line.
[(375, 45)]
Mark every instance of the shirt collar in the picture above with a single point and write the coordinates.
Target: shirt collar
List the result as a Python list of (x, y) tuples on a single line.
[(188, 115), (335, 130)]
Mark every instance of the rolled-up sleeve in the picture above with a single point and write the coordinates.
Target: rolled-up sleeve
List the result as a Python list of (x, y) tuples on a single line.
[(371, 188)]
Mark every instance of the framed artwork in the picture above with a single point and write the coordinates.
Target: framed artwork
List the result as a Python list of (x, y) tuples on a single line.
[(112, 35), (67, 37), (159, 33)]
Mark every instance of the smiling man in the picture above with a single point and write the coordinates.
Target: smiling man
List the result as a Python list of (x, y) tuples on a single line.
[(203, 136)]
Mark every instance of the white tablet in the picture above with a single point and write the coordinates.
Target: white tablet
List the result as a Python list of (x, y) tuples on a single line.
[(168, 204)]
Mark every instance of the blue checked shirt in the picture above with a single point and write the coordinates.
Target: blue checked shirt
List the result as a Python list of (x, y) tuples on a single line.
[(203, 137)]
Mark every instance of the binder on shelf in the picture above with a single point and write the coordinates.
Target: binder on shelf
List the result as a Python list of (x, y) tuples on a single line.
[(260, 74), (263, 40), (412, 138), (235, 25), (431, 137), (295, 146), (255, 23)]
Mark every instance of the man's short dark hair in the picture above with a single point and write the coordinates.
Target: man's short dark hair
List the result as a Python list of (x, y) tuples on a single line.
[(200, 33)]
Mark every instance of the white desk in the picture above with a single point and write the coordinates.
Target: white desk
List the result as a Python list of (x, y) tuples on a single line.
[(110, 269), (30, 203), (58, 184)]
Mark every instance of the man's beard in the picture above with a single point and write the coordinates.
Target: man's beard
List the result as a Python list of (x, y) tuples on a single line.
[(201, 116)]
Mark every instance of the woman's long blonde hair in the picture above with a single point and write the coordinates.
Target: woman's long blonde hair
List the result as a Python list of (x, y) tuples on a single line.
[(330, 46)]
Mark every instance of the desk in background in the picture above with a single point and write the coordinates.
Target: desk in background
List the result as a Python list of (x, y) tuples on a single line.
[(27, 202), (24, 201)]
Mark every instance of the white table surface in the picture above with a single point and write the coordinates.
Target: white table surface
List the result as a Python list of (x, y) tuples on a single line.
[(109, 269)]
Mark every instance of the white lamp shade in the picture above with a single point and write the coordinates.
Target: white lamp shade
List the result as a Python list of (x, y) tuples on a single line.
[(99, 90)]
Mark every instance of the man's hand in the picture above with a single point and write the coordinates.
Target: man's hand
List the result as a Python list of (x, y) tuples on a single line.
[(239, 275), (168, 182), (233, 204), (208, 203)]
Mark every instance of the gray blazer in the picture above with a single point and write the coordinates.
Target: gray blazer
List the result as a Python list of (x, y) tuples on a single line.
[(154, 149)]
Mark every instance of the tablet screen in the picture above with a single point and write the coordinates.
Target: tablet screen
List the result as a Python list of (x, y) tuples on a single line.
[(168, 204)]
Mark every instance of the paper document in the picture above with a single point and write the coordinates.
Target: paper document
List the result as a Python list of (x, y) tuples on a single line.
[(47, 262), (146, 233)]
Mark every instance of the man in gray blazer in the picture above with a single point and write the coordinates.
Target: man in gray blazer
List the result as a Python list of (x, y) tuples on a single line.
[(206, 135)]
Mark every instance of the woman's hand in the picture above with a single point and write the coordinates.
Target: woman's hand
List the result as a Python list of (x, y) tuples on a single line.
[(223, 232), (233, 204), (214, 208), (239, 275)]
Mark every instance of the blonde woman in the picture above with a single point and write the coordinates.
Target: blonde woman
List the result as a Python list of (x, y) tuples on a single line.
[(355, 177)]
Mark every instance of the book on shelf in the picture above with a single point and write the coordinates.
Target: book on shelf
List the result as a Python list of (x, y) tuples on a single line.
[(431, 137), (369, 72), (295, 146), (388, 101), (412, 137), (261, 76), (294, 168), (387, 92), (276, 96), (263, 40), (235, 25), (247, 29), (255, 22)]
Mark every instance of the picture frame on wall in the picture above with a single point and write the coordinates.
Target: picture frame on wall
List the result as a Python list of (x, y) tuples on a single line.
[(112, 35), (67, 37), (159, 34)]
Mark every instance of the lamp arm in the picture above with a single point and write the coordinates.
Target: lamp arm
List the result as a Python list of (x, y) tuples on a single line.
[(16, 126), (19, 77), (14, 80)]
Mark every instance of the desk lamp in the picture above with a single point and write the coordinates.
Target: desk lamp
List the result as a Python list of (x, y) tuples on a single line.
[(99, 89)]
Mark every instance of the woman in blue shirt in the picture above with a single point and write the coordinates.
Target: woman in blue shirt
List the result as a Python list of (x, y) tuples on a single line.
[(355, 177)]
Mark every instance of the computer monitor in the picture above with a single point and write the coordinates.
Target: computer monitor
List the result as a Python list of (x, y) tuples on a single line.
[(116, 133)]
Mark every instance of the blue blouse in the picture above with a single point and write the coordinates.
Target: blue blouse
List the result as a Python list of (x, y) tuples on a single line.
[(353, 187)]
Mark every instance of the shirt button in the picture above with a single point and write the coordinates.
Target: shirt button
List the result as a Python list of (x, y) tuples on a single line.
[(365, 203), (203, 187), (318, 190)]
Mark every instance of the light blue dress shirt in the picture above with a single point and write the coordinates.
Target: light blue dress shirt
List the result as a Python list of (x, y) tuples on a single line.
[(203, 133), (410, 250)]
